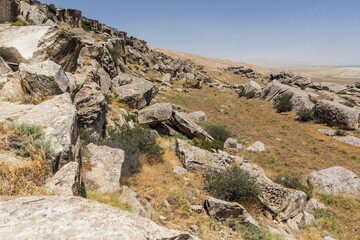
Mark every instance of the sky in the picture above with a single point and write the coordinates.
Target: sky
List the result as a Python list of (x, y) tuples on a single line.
[(302, 31)]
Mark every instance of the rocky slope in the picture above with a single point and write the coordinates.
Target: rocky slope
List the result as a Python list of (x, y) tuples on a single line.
[(73, 90)]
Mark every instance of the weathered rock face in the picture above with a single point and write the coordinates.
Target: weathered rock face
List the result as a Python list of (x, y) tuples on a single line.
[(9, 10), (129, 196), (187, 126), (40, 43), (138, 93), (91, 107), (336, 114), (222, 210), (12, 88), (249, 87), (105, 168), (4, 68), (286, 77), (48, 218), (257, 147), (155, 113), (274, 89), (45, 78), (336, 180), (198, 117), (66, 182), (333, 87), (32, 13), (59, 121)]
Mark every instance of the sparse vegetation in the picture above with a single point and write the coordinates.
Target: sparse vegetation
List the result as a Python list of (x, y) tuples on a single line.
[(18, 22), (208, 145), (128, 42), (86, 25), (248, 95), (251, 232), (340, 132), (130, 117), (305, 115), (327, 219), (219, 133), (232, 184), (283, 103), (294, 181), (52, 9), (112, 199)]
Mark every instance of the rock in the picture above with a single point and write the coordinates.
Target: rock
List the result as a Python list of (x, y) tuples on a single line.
[(45, 78), (328, 238), (355, 141), (222, 210), (166, 129), (232, 146), (312, 205), (138, 93), (48, 218), (91, 107), (59, 121), (292, 225), (336, 180), (194, 228), (32, 13), (12, 88), (130, 197), (9, 10), (66, 182), (179, 170), (257, 147), (333, 87), (13, 162), (274, 89), (194, 83), (167, 77), (105, 168), (155, 114), (250, 86), (188, 127), (357, 84), (40, 43), (336, 114), (289, 78), (4, 68), (198, 117), (309, 219), (196, 208)]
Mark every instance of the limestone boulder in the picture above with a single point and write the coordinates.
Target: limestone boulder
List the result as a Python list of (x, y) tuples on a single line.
[(11, 90), (155, 113), (32, 13), (336, 180), (188, 127), (257, 147), (232, 146), (4, 68), (48, 218), (222, 210), (105, 164), (250, 87), (198, 116), (58, 117), (138, 93), (66, 182), (336, 114), (46, 78), (274, 89), (129, 196)]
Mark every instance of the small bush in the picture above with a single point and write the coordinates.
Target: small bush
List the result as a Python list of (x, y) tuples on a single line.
[(251, 232), (283, 103), (327, 219), (122, 69), (305, 115), (208, 145), (19, 22), (248, 95), (52, 9), (266, 92), (326, 88), (128, 42), (294, 181), (340, 132), (219, 133), (313, 100), (232, 184), (130, 117), (86, 25), (115, 54)]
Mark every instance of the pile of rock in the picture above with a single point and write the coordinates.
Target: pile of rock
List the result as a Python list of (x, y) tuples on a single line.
[(244, 71), (290, 78)]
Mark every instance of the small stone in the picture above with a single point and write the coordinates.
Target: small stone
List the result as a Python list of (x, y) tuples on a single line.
[(257, 147), (194, 227), (179, 170)]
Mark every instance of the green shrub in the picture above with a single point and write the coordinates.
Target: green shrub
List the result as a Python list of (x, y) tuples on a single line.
[(266, 92), (294, 181), (86, 25), (248, 95), (135, 142), (128, 42), (208, 145), (122, 69), (340, 132), (130, 117), (232, 184), (251, 232), (326, 88), (326, 218), (305, 115), (312, 99), (219, 133), (52, 9), (283, 103), (115, 54), (19, 22)]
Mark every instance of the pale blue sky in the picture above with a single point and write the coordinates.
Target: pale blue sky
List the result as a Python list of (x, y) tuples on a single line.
[(321, 31)]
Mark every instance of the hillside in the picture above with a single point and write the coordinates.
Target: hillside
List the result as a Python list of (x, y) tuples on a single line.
[(104, 137)]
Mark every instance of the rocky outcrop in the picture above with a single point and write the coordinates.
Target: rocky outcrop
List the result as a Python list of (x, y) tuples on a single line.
[(222, 210), (336, 114), (59, 121), (155, 114), (290, 78), (187, 126), (66, 182), (348, 139), (32, 13), (336, 180), (250, 89), (138, 93), (40, 43), (129, 196), (9, 10), (274, 89), (232, 146), (198, 116), (105, 165), (257, 147), (45, 78), (48, 218)]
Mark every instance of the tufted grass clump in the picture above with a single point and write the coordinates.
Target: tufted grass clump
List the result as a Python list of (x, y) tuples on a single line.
[(219, 133), (232, 184), (305, 115), (283, 103), (208, 145), (294, 181)]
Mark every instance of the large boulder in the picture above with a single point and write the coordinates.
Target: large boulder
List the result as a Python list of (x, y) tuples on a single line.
[(40, 43), (250, 88), (274, 89), (58, 118), (336, 114), (222, 210), (336, 180), (155, 113), (187, 126), (32, 13), (198, 116), (105, 168), (138, 93), (66, 181), (46, 78), (76, 218)]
